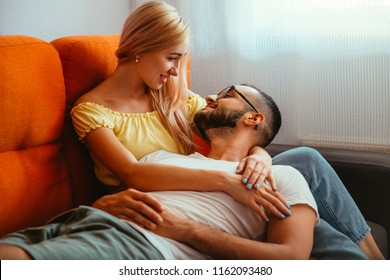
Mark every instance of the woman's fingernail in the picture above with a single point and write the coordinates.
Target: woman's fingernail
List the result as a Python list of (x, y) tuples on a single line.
[(257, 185), (288, 206), (282, 216), (249, 186), (237, 170), (289, 213), (245, 180)]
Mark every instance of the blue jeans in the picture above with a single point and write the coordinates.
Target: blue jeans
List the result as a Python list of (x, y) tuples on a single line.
[(342, 226)]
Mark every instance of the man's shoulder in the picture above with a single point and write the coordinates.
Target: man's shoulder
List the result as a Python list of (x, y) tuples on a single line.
[(287, 175)]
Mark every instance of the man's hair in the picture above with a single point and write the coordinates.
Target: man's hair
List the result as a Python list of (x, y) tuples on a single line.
[(266, 105)]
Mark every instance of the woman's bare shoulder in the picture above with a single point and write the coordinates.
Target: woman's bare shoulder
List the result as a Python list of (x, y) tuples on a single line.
[(95, 96)]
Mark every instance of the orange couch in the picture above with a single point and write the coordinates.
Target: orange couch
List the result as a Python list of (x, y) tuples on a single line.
[(45, 170)]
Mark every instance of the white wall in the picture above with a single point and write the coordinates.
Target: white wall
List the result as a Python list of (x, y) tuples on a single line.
[(333, 88), (50, 19), (325, 62)]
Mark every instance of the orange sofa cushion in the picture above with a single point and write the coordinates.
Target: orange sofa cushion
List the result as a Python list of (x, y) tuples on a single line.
[(33, 175), (86, 62)]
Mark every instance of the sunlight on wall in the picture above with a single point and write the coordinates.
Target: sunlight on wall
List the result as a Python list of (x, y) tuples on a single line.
[(326, 63), (305, 23)]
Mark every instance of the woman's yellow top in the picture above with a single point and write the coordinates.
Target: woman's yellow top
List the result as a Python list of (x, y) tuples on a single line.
[(140, 133)]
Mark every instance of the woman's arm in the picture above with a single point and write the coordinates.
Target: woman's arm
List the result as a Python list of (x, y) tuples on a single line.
[(157, 177), (150, 176), (291, 238)]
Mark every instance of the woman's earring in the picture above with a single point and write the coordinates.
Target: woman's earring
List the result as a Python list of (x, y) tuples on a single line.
[(137, 58), (257, 127)]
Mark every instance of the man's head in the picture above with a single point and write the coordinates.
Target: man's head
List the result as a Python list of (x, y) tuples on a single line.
[(242, 104)]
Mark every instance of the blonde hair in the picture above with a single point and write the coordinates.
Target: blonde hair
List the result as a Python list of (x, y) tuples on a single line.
[(152, 27)]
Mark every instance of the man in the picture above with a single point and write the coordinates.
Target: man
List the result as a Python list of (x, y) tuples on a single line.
[(233, 229), (239, 118)]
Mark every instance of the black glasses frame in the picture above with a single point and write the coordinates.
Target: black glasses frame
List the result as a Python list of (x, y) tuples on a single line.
[(223, 93)]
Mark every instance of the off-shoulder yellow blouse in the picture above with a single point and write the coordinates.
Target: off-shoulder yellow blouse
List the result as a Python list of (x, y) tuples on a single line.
[(140, 133)]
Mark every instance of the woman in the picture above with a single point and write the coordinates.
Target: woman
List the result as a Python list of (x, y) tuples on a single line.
[(145, 106)]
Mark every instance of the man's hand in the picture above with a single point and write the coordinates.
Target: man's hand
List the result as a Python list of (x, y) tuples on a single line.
[(175, 227), (132, 205)]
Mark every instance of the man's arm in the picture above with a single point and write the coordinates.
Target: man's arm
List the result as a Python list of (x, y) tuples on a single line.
[(290, 238)]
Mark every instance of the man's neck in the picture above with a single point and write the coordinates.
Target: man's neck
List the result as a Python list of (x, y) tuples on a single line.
[(229, 149)]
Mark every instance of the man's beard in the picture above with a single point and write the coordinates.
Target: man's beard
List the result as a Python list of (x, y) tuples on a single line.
[(222, 119)]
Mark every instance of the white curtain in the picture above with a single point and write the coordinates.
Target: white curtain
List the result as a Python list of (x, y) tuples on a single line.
[(325, 62)]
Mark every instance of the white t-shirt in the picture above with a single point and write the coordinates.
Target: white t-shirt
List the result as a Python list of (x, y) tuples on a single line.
[(218, 209)]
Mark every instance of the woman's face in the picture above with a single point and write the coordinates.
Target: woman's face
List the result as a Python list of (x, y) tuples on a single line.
[(157, 67)]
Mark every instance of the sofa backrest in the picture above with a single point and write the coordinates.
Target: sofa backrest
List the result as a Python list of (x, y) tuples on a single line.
[(33, 171), (86, 62)]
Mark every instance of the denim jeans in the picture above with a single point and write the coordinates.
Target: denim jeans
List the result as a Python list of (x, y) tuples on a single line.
[(342, 226)]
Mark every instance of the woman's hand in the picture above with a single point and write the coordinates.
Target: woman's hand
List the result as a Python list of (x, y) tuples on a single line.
[(132, 205), (256, 169), (262, 200)]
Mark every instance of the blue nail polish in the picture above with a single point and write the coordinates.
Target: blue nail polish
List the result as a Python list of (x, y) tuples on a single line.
[(245, 180), (289, 213), (257, 185), (237, 170), (288, 206), (249, 186), (282, 216)]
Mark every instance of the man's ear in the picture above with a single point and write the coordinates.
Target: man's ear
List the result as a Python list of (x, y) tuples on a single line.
[(254, 119)]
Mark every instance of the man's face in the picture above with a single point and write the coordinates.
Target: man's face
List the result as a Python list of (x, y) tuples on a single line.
[(217, 115), (224, 109)]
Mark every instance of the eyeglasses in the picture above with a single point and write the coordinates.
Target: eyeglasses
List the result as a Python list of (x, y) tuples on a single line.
[(224, 92)]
